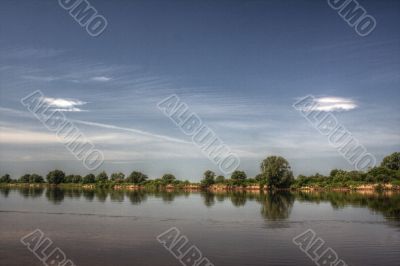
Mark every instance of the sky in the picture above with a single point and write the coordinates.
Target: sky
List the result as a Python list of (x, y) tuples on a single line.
[(238, 65)]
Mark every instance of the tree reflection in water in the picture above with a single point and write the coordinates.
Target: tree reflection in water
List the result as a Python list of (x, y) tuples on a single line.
[(387, 203), (88, 194), (101, 194), (55, 195), (274, 205), (5, 191), (208, 198), (238, 198), (136, 196), (73, 193), (117, 195), (31, 192)]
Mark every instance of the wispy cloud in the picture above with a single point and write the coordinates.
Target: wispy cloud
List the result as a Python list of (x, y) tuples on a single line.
[(64, 105), (101, 79), (149, 136), (141, 132), (40, 78)]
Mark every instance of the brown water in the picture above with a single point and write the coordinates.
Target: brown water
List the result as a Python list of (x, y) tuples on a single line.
[(120, 228)]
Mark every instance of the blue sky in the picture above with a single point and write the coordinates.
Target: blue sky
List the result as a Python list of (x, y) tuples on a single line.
[(240, 65)]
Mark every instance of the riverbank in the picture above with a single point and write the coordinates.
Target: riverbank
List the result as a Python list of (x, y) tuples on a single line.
[(212, 188)]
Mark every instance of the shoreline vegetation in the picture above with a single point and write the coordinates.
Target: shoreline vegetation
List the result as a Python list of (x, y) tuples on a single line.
[(275, 174)]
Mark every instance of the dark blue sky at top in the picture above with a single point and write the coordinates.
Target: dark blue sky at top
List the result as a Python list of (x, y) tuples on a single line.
[(256, 56)]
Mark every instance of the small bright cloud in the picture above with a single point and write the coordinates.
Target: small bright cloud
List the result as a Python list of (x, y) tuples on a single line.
[(71, 109), (64, 105), (328, 104), (101, 78)]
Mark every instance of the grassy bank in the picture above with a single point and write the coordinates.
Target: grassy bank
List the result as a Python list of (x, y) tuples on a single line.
[(348, 186)]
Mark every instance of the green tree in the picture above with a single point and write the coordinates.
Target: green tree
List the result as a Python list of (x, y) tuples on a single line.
[(5, 179), (220, 179), (380, 174), (334, 172), (259, 177), (34, 178), (238, 177), (168, 178), (136, 177), (277, 172), (25, 178), (339, 176), (77, 179), (118, 177), (102, 177), (392, 161), (89, 179), (55, 177), (208, 178), (68, 179)]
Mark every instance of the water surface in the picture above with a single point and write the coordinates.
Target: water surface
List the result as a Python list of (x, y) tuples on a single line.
[(107, 227)]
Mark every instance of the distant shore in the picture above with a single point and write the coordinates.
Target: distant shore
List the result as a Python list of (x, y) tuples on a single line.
[(275, 175), (212, 188)]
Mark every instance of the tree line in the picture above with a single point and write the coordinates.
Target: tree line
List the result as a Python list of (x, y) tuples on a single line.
[(275, 172), (387, 172)]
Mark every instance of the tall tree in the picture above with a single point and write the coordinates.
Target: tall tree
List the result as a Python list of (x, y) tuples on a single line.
[(277, 172)]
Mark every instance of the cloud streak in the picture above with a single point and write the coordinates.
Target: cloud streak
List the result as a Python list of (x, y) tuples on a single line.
[(157, 136)]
